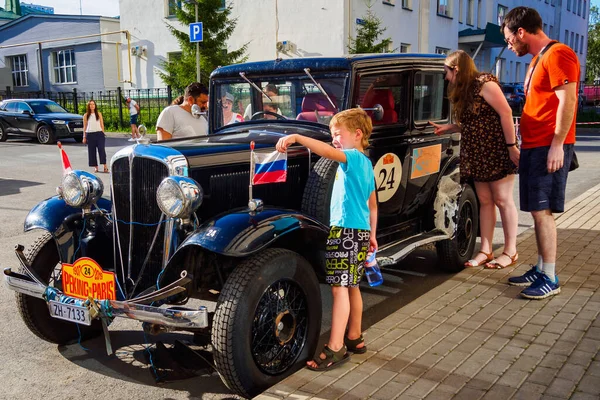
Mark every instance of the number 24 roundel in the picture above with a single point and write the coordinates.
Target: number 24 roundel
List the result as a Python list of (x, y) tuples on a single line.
[(388, 174)]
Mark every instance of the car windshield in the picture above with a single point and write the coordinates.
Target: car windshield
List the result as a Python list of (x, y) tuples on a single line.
[(45, 107), (282, 98)]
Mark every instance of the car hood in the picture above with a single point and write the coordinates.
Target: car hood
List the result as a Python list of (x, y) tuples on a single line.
[(67, 116)]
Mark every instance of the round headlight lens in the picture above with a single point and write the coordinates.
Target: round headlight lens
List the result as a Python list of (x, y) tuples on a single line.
[(179, 196), (81, 189)]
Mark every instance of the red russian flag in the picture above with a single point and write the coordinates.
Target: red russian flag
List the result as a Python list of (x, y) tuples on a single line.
[(65, 159), (269, 168)]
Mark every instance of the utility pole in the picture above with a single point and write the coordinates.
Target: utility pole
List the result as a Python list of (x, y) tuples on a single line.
[(80, 9)]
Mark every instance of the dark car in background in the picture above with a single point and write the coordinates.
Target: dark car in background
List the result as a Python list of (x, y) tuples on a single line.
[(42, 119), (515, 96)]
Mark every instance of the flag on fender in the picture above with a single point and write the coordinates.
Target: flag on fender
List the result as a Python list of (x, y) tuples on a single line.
[(269, 167)]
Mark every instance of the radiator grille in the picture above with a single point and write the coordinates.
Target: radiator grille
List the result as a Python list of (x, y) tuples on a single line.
[(134, 205)]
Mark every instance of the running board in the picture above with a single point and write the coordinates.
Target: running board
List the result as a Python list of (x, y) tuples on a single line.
[(394, 252)]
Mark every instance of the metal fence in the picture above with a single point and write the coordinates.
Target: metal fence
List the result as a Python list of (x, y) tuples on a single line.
[(111, 103)]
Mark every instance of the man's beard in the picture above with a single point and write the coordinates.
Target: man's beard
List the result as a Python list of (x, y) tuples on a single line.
[(519, 48)]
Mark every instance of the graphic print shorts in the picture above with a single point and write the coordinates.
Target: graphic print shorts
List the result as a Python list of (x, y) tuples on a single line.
[(345, 256)]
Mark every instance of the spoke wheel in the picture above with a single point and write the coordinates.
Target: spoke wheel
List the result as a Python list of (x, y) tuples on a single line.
[(267, 321)]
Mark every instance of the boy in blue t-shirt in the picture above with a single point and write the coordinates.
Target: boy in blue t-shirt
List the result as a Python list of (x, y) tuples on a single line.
[(353, 229)]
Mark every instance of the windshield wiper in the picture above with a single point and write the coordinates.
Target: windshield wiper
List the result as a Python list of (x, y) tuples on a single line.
[(243, 75), (318, 85)]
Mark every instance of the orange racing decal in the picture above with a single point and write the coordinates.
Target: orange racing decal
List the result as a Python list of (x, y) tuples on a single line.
[(426, 161), (86, 278)]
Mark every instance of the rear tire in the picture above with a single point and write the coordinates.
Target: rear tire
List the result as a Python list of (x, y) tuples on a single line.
[(454, 253), (3, 134), (43, 258), (267, 321)]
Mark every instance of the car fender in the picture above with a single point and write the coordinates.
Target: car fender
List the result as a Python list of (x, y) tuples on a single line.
[(241, 233), (54, 216), (447, 196)]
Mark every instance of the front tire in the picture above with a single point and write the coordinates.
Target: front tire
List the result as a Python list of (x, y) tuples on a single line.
[(267, 321), (43, 258), (45, 135), (454, 253)]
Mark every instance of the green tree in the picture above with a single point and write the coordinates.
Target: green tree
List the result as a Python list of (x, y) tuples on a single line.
[(217, 28), (367, 34), (592, 63)]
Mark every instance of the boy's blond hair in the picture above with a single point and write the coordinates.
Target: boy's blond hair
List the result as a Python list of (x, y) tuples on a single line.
[(352, 119)]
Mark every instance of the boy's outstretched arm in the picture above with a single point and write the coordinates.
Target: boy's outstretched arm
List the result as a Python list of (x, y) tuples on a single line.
[(373, 220), (322, 149)]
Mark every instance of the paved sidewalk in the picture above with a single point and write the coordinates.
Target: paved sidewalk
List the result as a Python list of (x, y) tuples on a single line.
[(473, 337)]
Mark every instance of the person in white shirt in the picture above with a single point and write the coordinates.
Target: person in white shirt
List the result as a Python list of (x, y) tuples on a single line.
[(229, 117), (134, 109), (93, 135), (177, 121)]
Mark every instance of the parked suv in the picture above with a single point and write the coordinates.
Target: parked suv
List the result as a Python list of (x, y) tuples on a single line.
[(183, 222), (39, 118), (515, 96)]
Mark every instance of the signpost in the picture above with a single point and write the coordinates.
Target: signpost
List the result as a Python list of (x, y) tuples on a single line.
[(196, 37)]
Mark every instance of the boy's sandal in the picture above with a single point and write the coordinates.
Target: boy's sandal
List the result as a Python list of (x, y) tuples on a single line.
[(333, 359), (474, 263), (496, 265), (352, 344)]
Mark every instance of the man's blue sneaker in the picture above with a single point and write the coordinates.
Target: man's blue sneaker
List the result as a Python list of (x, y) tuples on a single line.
[(526, 279), (540, 289)]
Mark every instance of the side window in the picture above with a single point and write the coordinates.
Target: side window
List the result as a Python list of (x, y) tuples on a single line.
[(390, 91), (11, 107), (430, 102), (22, 107)]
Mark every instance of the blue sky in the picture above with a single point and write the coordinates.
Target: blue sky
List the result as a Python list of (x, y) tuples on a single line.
[(109, 8)]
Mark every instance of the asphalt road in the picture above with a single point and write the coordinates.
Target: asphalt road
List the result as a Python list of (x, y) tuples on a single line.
[(32, 368)]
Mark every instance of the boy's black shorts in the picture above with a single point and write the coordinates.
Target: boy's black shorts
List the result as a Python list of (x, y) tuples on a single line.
[(345, 256), (538, 189)]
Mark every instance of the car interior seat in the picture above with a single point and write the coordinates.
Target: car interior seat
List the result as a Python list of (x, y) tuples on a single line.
[(385, 98), (316, 102)]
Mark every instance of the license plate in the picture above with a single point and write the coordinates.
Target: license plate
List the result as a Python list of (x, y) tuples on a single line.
[(78, 129), (70, 312)]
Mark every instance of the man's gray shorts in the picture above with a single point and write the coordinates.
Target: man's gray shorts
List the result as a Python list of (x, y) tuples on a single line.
[(538, 189)]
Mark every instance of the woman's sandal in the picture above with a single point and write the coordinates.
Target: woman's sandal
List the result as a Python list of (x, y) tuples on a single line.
[(474, 263), (106, 170), (352, 345), (96, 170), (496, 265), (333, 359)]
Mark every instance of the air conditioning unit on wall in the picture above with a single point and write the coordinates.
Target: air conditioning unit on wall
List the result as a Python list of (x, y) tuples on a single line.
[(286, 46)]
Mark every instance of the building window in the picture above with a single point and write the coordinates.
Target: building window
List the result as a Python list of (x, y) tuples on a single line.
[(404, 48), (566, 41), (584, 9), (223, 5), (389, 2), (572, 39), (172, 7), (547, 1), (19, 70), (502, 10), (545, 29), (65, 69), (581, 45), (442, 50), (579, 8), (551, 32), (470, 12), (518, 72), (568, 5), (500, 69), (443, 7), (480, 21), (576, 48), (461, 11)]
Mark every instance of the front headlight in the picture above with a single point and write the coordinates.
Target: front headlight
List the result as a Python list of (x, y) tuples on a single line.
[(179, 196), (59, 122), (81, 189)]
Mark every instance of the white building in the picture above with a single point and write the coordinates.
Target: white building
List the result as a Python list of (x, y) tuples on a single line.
[(322, 28)]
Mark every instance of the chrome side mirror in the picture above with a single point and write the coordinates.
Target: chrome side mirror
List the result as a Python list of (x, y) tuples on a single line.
[(377, 112)]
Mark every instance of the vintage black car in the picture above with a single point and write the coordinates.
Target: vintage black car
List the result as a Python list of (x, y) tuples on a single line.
[(183, 221), (39, 118)]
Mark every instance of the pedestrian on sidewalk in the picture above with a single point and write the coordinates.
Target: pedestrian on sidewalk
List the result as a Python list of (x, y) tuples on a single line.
[(353, 220), (177, 121), (93, 135), (489, 154), (134, 110), (548, 137)]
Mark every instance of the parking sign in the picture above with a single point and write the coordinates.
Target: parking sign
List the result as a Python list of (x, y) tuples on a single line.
[(196, 32)]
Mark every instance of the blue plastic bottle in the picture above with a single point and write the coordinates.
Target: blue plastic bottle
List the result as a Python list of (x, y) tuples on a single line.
[(372, 270)]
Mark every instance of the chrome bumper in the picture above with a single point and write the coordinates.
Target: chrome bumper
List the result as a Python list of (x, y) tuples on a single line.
[(176, 318)]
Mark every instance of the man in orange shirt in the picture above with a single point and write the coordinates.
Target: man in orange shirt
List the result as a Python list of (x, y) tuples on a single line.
[(548, 136)]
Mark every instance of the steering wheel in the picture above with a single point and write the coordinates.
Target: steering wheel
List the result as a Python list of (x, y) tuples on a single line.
[(259, 114)]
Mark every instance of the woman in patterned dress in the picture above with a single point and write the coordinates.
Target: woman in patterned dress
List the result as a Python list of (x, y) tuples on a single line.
[(489, 154)]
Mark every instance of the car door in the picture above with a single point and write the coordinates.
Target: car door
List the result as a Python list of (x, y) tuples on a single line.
[(24, 120), (428, 151), (389, 143), (9, 117)]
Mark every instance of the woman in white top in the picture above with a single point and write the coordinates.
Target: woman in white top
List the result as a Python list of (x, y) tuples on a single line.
[(93, 135)]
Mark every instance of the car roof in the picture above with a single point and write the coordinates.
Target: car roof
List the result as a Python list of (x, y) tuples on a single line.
[(316, 64)]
